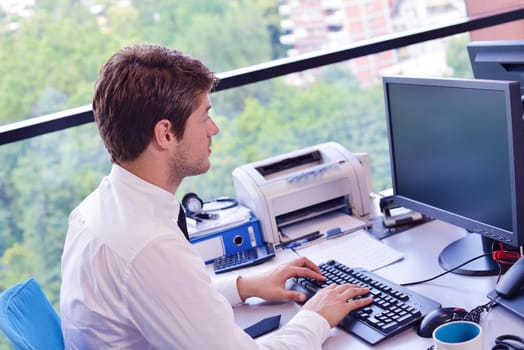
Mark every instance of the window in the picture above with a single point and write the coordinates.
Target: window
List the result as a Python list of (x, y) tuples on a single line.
[(50, 54)]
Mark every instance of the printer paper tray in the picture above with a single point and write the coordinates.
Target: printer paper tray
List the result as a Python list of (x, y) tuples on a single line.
[(322, 224), (310, 212)]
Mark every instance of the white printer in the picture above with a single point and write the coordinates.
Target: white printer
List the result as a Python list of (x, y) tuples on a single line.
[(304, 184)]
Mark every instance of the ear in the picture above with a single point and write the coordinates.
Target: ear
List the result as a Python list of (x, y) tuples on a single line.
[(162, 134)]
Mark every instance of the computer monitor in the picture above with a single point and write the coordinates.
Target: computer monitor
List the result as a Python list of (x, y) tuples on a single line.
[(457, 154), (498, 60)]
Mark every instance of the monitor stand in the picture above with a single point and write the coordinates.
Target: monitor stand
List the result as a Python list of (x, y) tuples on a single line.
[(466, 248)]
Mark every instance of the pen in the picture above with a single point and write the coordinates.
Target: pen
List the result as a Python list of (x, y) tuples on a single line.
[(310, 238)]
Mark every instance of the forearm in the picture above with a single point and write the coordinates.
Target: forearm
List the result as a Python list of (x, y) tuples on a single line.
[(247, 287)]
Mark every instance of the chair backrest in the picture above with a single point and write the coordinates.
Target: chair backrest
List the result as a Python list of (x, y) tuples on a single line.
[(28, 319)]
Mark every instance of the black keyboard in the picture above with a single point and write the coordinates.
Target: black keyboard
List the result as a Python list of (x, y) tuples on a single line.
[(394, 308)]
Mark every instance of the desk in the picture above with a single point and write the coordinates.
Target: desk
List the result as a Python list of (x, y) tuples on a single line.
[(420, 246)]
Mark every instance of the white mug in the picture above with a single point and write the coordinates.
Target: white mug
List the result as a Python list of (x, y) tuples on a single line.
[(463, 335)]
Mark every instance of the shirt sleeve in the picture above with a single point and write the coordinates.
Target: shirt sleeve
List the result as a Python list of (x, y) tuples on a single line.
[(307, 330), (227, 286), (173, 302)]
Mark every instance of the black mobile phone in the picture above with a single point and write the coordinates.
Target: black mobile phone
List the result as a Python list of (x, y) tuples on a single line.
[(264, 326)]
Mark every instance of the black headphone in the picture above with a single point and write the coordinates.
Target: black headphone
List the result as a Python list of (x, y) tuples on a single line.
[(193, 205)]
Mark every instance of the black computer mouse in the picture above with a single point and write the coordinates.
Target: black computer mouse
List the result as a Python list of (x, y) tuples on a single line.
[(437, 317)]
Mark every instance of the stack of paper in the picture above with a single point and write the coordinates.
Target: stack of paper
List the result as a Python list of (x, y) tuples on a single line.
[(225, 218)]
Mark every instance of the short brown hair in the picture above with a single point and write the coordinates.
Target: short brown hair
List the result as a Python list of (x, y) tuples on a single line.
[(140, 85)]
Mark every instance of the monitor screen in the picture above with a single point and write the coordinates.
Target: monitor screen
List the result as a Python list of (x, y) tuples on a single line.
[(457, 154), (498, 60)]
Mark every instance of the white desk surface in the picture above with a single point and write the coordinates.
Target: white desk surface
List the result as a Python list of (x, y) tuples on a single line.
[(420, 246)]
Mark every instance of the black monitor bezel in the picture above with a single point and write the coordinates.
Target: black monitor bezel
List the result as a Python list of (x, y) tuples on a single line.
[(515, 127)]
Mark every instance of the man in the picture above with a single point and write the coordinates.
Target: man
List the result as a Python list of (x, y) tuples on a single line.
[(130, 278)]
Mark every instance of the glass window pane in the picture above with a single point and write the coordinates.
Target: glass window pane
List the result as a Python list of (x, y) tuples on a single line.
[(50, 51), (43, 179)]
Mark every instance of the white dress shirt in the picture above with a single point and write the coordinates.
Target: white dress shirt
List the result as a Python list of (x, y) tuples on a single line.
[(131, 280)]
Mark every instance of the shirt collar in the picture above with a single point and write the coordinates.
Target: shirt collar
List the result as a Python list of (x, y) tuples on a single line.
[(119, 174)]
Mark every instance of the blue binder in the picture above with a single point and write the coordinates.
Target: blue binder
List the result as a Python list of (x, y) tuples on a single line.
[(229, 240)]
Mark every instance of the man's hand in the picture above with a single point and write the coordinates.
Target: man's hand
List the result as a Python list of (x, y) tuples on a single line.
[(271, 285), (333, 302), (336, 301)]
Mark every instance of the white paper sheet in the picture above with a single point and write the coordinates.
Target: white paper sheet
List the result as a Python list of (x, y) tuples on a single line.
[(357, 249)]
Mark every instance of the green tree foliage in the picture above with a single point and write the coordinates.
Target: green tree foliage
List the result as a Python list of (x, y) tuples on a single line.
[(272, 19), (48, 63), (294, 118), (53, 174), (457, 56), (21, 264), (208, 37)]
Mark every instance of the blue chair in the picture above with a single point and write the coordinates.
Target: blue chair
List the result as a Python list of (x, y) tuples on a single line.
[(28, 319)]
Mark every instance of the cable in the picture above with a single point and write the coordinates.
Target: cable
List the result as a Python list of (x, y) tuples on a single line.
[(448, 271), (474, 314), (500, 256)]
